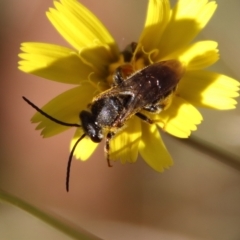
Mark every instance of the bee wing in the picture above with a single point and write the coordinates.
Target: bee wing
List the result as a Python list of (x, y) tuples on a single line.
[(116, 92)]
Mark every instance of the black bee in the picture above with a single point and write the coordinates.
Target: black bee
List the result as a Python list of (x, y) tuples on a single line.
[(147, 89)]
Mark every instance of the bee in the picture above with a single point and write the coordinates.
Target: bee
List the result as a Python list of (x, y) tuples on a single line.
[(148, 89)]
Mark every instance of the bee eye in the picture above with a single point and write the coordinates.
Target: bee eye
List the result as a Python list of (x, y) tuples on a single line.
[(96, 136), (90, 127), (94, 132)]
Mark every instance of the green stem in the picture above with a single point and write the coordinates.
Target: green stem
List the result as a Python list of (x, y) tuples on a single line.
[(217, 152), (71, 232)]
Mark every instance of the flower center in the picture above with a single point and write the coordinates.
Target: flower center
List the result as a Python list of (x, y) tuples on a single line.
[(166, 74), (131, 59)]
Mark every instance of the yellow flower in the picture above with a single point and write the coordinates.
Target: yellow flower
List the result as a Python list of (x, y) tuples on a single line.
[(168, 34)]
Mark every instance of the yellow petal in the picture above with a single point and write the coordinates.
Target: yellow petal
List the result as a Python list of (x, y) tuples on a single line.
[(188, 18), (198, 55), (124, 145), (53, 62), (65, 107), (157, 18), (153, 150), (80, 27), (85, 147), (209, 89), (180, 118)]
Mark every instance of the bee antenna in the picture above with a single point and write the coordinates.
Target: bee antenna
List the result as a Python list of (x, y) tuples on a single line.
[(50, 117), (70, 161)]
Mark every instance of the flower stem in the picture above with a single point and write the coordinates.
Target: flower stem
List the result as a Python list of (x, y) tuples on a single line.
[(216, 151), (71, 232)]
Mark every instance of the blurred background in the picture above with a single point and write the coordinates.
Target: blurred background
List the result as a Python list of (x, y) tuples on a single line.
[(198, 198)]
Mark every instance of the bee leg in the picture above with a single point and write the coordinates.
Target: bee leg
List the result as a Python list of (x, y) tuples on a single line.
[(107, 146), (150, 121), (155, 108), (118, 78), (121, 73), (144, 118)]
